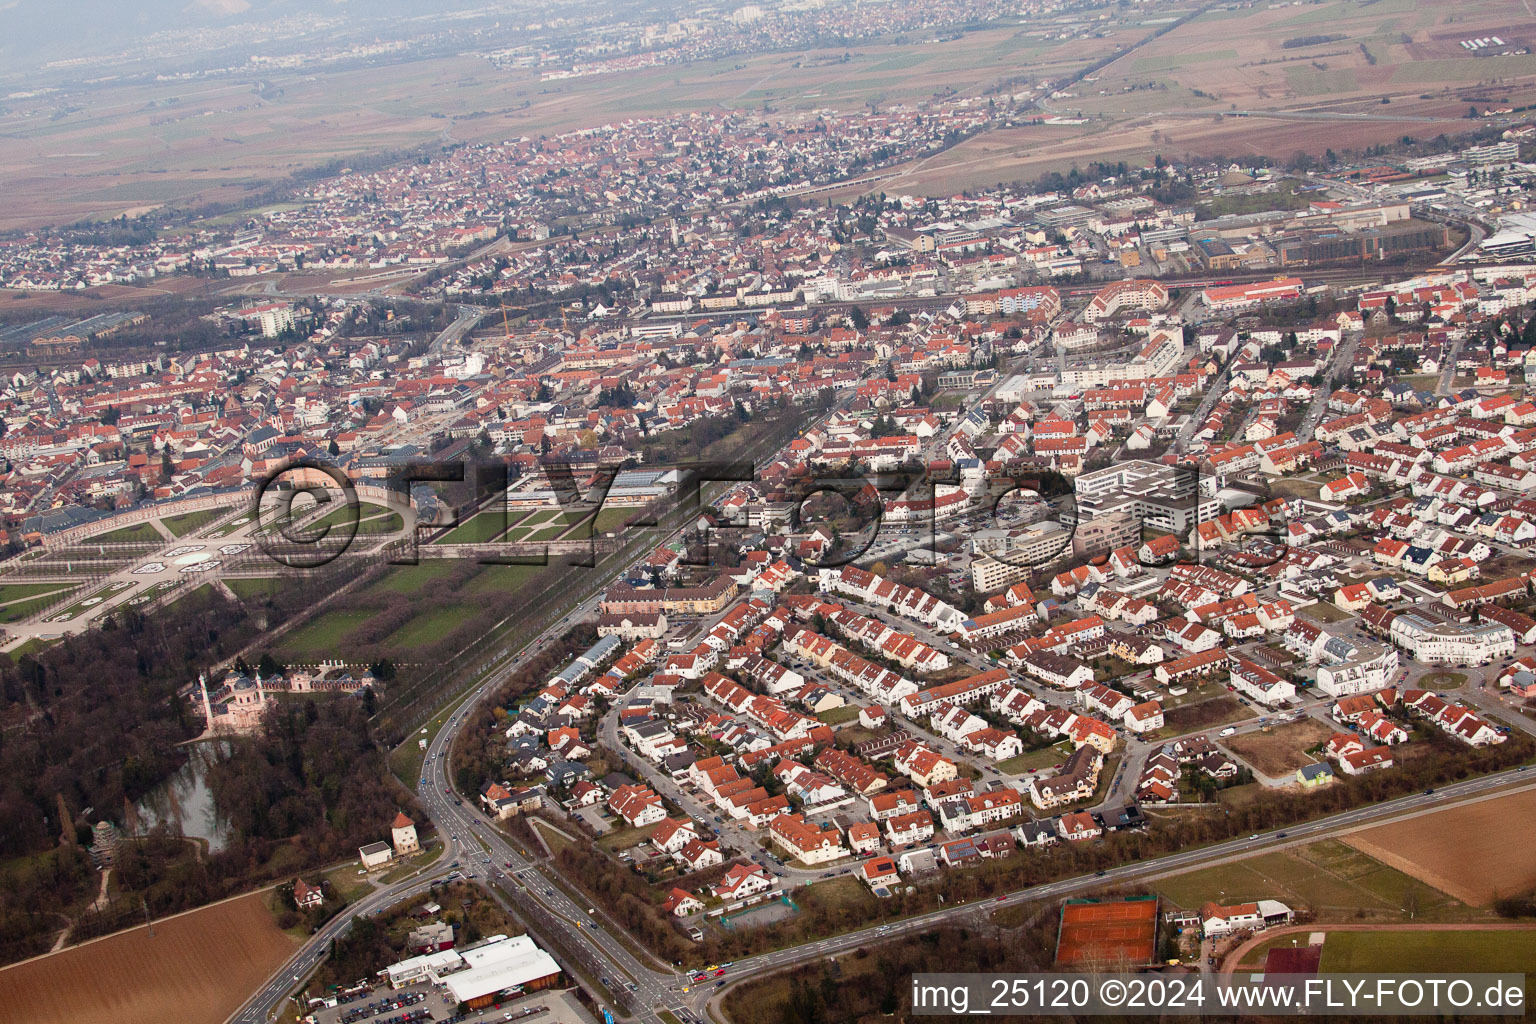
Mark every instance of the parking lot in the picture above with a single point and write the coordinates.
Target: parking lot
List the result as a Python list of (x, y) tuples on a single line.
[(559, 1006)]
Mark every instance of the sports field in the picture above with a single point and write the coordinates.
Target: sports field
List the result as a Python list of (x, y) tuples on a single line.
[(1416, 951), (1331, 879), (195, 969), (1108, 933)]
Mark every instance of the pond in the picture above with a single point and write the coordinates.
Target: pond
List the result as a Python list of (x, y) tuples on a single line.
[(184, 800)]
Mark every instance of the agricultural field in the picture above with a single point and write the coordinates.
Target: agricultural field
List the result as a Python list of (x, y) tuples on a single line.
[(1267, 79), (196, 968), (1261, 79), (1455, 849), (1280, 751), (1330, 878)]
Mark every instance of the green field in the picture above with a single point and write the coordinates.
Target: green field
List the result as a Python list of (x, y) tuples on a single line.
[(477, 530), (323, 637), (256, 587), (389, 523), (610, 519), (189, 522), (1334, 881), (501, 580), (407, 579), (837, 716), (17, 591), (428, 627), (1413, 952), (136, 532), (26, 609), (1043, 758)]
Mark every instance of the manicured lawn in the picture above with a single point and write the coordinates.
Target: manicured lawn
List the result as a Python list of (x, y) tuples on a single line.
[(26, 609), (407, 579), (1413, 952), (256, 587), (158, 590), (322, 637), (548, 533), (136, 532), (338, 518), (610, 519), (92, 601), (479, 529), (502, 580), (189, 522), (231, 526), (17, 591), (427, 628), (390, 523), (552, 839)]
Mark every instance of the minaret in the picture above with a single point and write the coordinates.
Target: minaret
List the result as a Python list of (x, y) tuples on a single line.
[(202, 681), (261, 697)]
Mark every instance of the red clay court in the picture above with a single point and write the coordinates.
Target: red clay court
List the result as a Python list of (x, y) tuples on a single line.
[(1107, 934)]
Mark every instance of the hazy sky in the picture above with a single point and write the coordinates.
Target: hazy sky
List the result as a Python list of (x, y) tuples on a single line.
[(36, 31)]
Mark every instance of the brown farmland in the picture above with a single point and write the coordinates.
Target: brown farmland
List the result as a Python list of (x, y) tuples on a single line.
[(196, 969), (1475, 852)]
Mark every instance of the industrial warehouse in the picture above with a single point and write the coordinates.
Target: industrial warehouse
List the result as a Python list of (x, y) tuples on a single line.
[(482, 974)]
